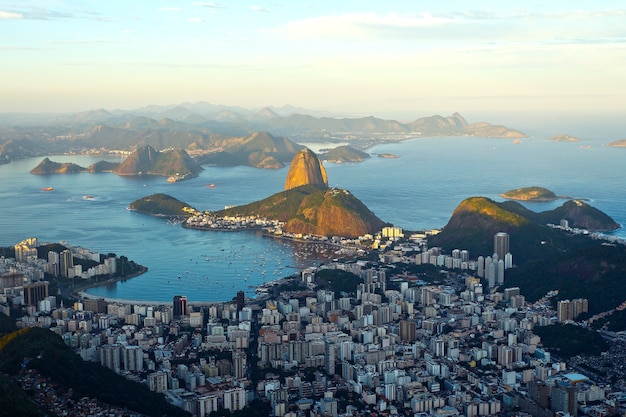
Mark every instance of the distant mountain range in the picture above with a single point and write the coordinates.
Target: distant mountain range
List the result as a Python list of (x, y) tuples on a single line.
[(210, 129)]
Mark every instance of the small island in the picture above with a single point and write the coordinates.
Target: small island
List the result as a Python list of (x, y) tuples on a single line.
[(618, 143), (162, 205), (564, 138), (387, 155), (343, 154), (530, 194)]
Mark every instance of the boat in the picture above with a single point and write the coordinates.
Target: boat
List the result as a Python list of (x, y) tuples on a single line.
[(47, 188), (88, 197), (210, 186)]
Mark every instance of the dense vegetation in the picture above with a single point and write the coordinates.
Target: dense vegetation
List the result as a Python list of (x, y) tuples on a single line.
[(160, 205), (103, 166), (15, 402), (314, 209), (49, 355), (597, 273), (281, 206), (530, 194), (477, 219), (345, 153), (337, 280), (568, 340)]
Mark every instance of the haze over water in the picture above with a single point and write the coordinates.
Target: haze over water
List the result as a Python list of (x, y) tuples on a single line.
[(419, 190)]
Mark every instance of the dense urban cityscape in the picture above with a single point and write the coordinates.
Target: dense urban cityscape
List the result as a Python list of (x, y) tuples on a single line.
[(373, 339)]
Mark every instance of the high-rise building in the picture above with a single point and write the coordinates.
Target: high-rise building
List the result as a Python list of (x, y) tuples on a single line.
[(501, 244), (565, 311), (241, 301), (36, 292), (97, 305), (157, 381), (235, 399), (408, 330), (329, 357), (53, 263), (132, 358), (67, 262), (239, 364), (564, 399), (180, 306)]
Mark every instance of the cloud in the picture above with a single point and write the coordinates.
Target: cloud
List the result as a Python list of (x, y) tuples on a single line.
[(195, 20), (208, 4), (463, 26), (35, 14), (6, 15), (49, 14), (259, 9)]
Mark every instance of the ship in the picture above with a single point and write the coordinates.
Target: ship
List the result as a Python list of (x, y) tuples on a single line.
[(47, 188)]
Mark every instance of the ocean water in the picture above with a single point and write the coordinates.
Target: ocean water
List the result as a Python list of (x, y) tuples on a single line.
[(416, 191)]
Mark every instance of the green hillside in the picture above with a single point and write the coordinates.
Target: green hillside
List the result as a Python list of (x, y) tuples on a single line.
[(46, 352), (474, 222), (161, 205), (314, 209), (342, 154), (530, 194)]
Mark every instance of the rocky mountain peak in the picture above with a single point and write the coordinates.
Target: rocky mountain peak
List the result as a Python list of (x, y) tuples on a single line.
[(305, 169)]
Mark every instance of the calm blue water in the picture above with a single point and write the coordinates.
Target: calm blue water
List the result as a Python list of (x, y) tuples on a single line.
[(418, 190)]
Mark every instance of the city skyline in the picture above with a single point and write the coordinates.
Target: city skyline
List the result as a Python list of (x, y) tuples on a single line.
[(401, 60)]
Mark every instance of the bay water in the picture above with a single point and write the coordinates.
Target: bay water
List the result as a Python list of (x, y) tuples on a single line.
[(416, 191)]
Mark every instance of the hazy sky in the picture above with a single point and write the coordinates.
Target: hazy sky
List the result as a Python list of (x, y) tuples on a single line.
[(366, 57)]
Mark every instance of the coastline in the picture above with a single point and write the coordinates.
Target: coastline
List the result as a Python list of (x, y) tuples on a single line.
[(81, 291)]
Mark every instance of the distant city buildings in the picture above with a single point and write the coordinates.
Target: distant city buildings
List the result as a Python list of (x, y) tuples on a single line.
[(397, 346)]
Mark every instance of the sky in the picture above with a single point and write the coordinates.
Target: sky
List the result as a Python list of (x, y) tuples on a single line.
[(382, 58)]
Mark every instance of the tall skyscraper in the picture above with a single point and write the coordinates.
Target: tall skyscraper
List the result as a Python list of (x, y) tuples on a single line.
[(180, 306), (241, 301), (329, 357), (67, 262), (501, 244)]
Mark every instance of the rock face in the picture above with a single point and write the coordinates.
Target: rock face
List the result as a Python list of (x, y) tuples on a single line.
[(306, 169), (46, 166), (147, 160), (338, 213), (308, 206), (582, 215)]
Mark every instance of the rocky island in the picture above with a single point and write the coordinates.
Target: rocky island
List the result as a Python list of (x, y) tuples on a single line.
[(307, 206), (618, 143), (162, 205), (46, 166), (564, 138), (387, 155), (530, 194), (342, 154), (175, 164)]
